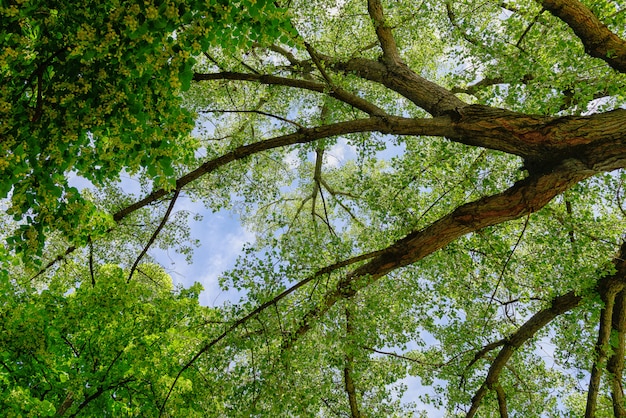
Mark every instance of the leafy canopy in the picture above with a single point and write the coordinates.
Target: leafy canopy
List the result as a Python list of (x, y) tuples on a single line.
[(435, 190)]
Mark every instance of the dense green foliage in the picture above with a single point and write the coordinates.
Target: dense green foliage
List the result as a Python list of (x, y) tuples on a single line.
[(435, 190), (93, 89)]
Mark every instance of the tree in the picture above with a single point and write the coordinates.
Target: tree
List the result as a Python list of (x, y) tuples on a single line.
[(473, 239)]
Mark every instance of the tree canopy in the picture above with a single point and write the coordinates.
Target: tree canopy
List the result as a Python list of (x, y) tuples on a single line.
[(435, 189)]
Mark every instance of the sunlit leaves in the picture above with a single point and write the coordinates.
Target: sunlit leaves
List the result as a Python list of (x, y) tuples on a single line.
[(95, 89)]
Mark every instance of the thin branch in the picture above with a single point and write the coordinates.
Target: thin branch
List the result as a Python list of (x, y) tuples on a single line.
[(91, 267), (402, 357), (258, 112), (337, 93), (528, 28), (502, 408), (69, 343), (504, 267), (348, 370), (285, 53), (318, 64), (207, 346), (154, 235)]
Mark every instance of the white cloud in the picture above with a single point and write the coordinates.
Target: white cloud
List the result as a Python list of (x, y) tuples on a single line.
[(339, 153)]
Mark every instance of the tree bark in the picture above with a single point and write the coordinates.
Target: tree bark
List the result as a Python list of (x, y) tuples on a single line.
[(599, 41)]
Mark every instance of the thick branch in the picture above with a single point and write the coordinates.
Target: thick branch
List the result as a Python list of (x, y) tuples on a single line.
[(540, 139), (302, 136), (615, 364), (383, 32), (67, 403), (601, 352), (559, 306), (155, 234), (599, 41), (524, 197), (425, 94)]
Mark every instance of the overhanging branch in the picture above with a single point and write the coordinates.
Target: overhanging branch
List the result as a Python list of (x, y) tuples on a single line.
[(599, 41)]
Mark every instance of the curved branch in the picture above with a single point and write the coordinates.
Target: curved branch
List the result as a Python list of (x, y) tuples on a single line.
[(154, 235), (482, 353), (337, 93), (206, 347), (526, 196), (598, 40), (400, 126), (258, 112), (559, 306)]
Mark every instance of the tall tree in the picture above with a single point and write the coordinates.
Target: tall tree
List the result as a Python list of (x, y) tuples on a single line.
[(436, 189)]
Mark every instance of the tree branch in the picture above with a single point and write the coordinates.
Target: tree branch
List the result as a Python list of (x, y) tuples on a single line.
[(337, 93), (348, 369), (601, 351), (206, 347), (524, 197), (258, 112), (615, 364), (502, 408), (391, 55), (598, 40), (559, 306), (154, 235)]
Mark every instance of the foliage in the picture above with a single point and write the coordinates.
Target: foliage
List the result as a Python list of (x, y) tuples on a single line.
[(435, 190), (93, 89)]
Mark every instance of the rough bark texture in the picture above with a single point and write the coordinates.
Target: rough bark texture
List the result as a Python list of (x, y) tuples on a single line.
[(599, 41)]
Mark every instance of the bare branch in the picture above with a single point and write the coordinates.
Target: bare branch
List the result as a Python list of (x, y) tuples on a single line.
[(155, 234)]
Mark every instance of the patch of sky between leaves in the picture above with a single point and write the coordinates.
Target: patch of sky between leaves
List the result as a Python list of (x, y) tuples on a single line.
[(222, 238)]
